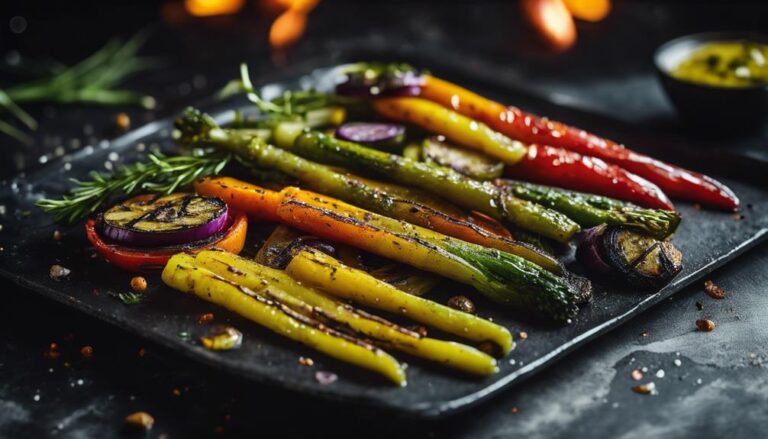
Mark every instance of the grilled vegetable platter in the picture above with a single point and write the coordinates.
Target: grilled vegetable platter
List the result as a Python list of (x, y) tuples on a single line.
[(374, 235)]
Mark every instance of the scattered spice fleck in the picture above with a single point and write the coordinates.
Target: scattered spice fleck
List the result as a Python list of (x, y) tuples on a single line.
[(522, 335), (53, 351), (57, 272), (713, 290), (325, 378), (176, 392), (122, 121), (138, 284), (677, 362), (86, 351), (644, 334), (462, 303), (645, 389), (205, 318), (514, 410), (306, 361), (140, 419), (699, 306), (421, 330), (142, 352), (56, 235), (705, 325), (488, 348), (637, 375)]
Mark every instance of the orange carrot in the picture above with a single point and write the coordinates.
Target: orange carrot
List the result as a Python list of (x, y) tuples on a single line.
[(255, 201)]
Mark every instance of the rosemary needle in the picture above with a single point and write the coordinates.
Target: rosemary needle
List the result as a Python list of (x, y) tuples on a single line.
[(162, 175)]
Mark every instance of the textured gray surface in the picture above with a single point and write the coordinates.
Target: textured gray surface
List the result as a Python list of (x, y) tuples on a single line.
[(608, 71)]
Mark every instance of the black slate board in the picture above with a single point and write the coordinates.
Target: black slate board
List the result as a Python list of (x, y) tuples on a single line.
[(707, 239)]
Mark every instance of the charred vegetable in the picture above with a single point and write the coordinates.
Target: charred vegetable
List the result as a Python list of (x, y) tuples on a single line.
[(408, 204), (149, 221), (381, 135), (284, 242), (371, 79), (467, 162), (145, 231), (591, 210), (621, 252), (454, 126), (328, 274), (183, 273), (279, 286)]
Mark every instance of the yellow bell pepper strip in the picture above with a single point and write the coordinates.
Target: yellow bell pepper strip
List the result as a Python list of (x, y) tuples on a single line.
[(183, 274), (454, 126), (501, 276), (315, 268), (275, 283)]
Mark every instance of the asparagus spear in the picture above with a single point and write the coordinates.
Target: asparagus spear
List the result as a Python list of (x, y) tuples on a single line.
[(183, 274), (591, 210), (275, 283)]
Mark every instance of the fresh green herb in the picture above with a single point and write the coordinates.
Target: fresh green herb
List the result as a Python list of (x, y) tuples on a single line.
[(129, 298), (290, 104), (92, 80), (162, 175)]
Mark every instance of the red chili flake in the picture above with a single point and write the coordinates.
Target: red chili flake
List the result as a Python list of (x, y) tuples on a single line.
[(142, 352), (421, 330), (87, 351), (522, 335), (713, 290), (205, 318), (56, 235), (176, 392), (514, 410), (705, 325), (325, 378), (637, 374)]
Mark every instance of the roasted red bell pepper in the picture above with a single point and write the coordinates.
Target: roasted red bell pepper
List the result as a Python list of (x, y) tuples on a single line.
[(570, 170), (517, 124)]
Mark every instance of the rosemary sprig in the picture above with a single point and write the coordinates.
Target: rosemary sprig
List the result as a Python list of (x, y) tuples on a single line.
[(161, 175), (290, 104), (93, 80)]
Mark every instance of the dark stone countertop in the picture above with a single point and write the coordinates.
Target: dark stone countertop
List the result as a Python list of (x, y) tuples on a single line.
[(712, 384)]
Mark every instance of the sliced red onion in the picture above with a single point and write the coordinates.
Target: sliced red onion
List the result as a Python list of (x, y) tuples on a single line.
[(371, 133), (589, 251), (149, 221), (403, 83)]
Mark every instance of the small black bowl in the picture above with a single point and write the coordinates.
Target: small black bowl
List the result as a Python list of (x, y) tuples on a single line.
[(706, 107)]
